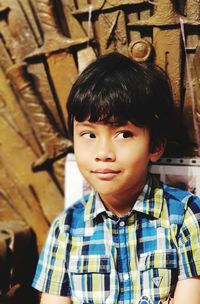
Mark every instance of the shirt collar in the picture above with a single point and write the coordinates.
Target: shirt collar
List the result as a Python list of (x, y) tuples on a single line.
[(149, 202), (94, 207)]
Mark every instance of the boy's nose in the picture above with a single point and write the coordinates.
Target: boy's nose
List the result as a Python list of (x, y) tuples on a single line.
[(105, 153)]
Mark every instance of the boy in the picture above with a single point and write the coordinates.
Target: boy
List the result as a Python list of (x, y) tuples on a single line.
[(133, 239)]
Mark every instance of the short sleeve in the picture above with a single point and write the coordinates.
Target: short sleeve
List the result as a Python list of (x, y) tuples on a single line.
[(51, 273), (189, 241)]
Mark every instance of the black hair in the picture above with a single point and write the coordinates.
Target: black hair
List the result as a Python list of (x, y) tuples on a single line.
[(117, 87)]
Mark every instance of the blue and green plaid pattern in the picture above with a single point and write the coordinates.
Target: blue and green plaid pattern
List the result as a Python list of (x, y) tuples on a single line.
[(95, 257)]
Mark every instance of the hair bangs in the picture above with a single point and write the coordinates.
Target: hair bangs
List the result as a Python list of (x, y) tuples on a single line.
[(103, 103)]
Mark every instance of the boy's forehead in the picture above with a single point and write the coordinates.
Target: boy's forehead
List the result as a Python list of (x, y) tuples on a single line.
[(110, 122)]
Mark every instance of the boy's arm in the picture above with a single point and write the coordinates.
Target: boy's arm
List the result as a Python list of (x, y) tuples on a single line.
[(187, 291), (50, 299)]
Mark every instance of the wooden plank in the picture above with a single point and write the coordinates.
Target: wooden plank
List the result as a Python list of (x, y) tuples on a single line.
[(34, 196), (111, 32), (63, 71), (18, 258), (11, 110), (74, 27), (165, 42)]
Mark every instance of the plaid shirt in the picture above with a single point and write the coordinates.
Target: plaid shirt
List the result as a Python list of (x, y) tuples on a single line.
[(93, 256)]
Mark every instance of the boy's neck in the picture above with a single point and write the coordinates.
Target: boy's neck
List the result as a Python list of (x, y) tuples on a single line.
[(118, 210), (120, 205)]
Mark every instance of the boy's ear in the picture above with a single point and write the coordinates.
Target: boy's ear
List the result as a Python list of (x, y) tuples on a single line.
[(157, 152)]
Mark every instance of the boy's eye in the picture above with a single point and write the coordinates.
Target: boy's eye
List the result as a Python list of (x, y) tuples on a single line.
[(88, 135), (125, 134)]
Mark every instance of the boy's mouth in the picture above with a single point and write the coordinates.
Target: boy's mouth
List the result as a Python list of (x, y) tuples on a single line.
[(105, 174)]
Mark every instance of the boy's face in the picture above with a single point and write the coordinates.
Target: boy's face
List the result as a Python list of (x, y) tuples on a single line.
[(114, 159)]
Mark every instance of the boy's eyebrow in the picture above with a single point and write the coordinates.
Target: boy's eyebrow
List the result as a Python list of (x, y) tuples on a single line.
[(91, 124), (82, 124)]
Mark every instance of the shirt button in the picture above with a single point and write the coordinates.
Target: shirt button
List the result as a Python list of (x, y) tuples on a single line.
[(122, 223), (126, 276)]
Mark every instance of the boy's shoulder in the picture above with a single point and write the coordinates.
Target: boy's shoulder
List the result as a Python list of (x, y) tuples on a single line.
[(179, 201), (73, 216)]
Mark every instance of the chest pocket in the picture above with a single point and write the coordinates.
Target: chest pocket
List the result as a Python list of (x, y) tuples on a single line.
[(158, 272), (90, 278)]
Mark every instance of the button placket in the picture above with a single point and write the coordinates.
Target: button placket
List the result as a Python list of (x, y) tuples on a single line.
[(125, 280)]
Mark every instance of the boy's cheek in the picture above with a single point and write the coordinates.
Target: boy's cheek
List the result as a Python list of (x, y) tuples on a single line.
[(83, 159)]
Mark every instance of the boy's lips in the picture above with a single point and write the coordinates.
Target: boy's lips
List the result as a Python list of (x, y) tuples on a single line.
[(105, 174)]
